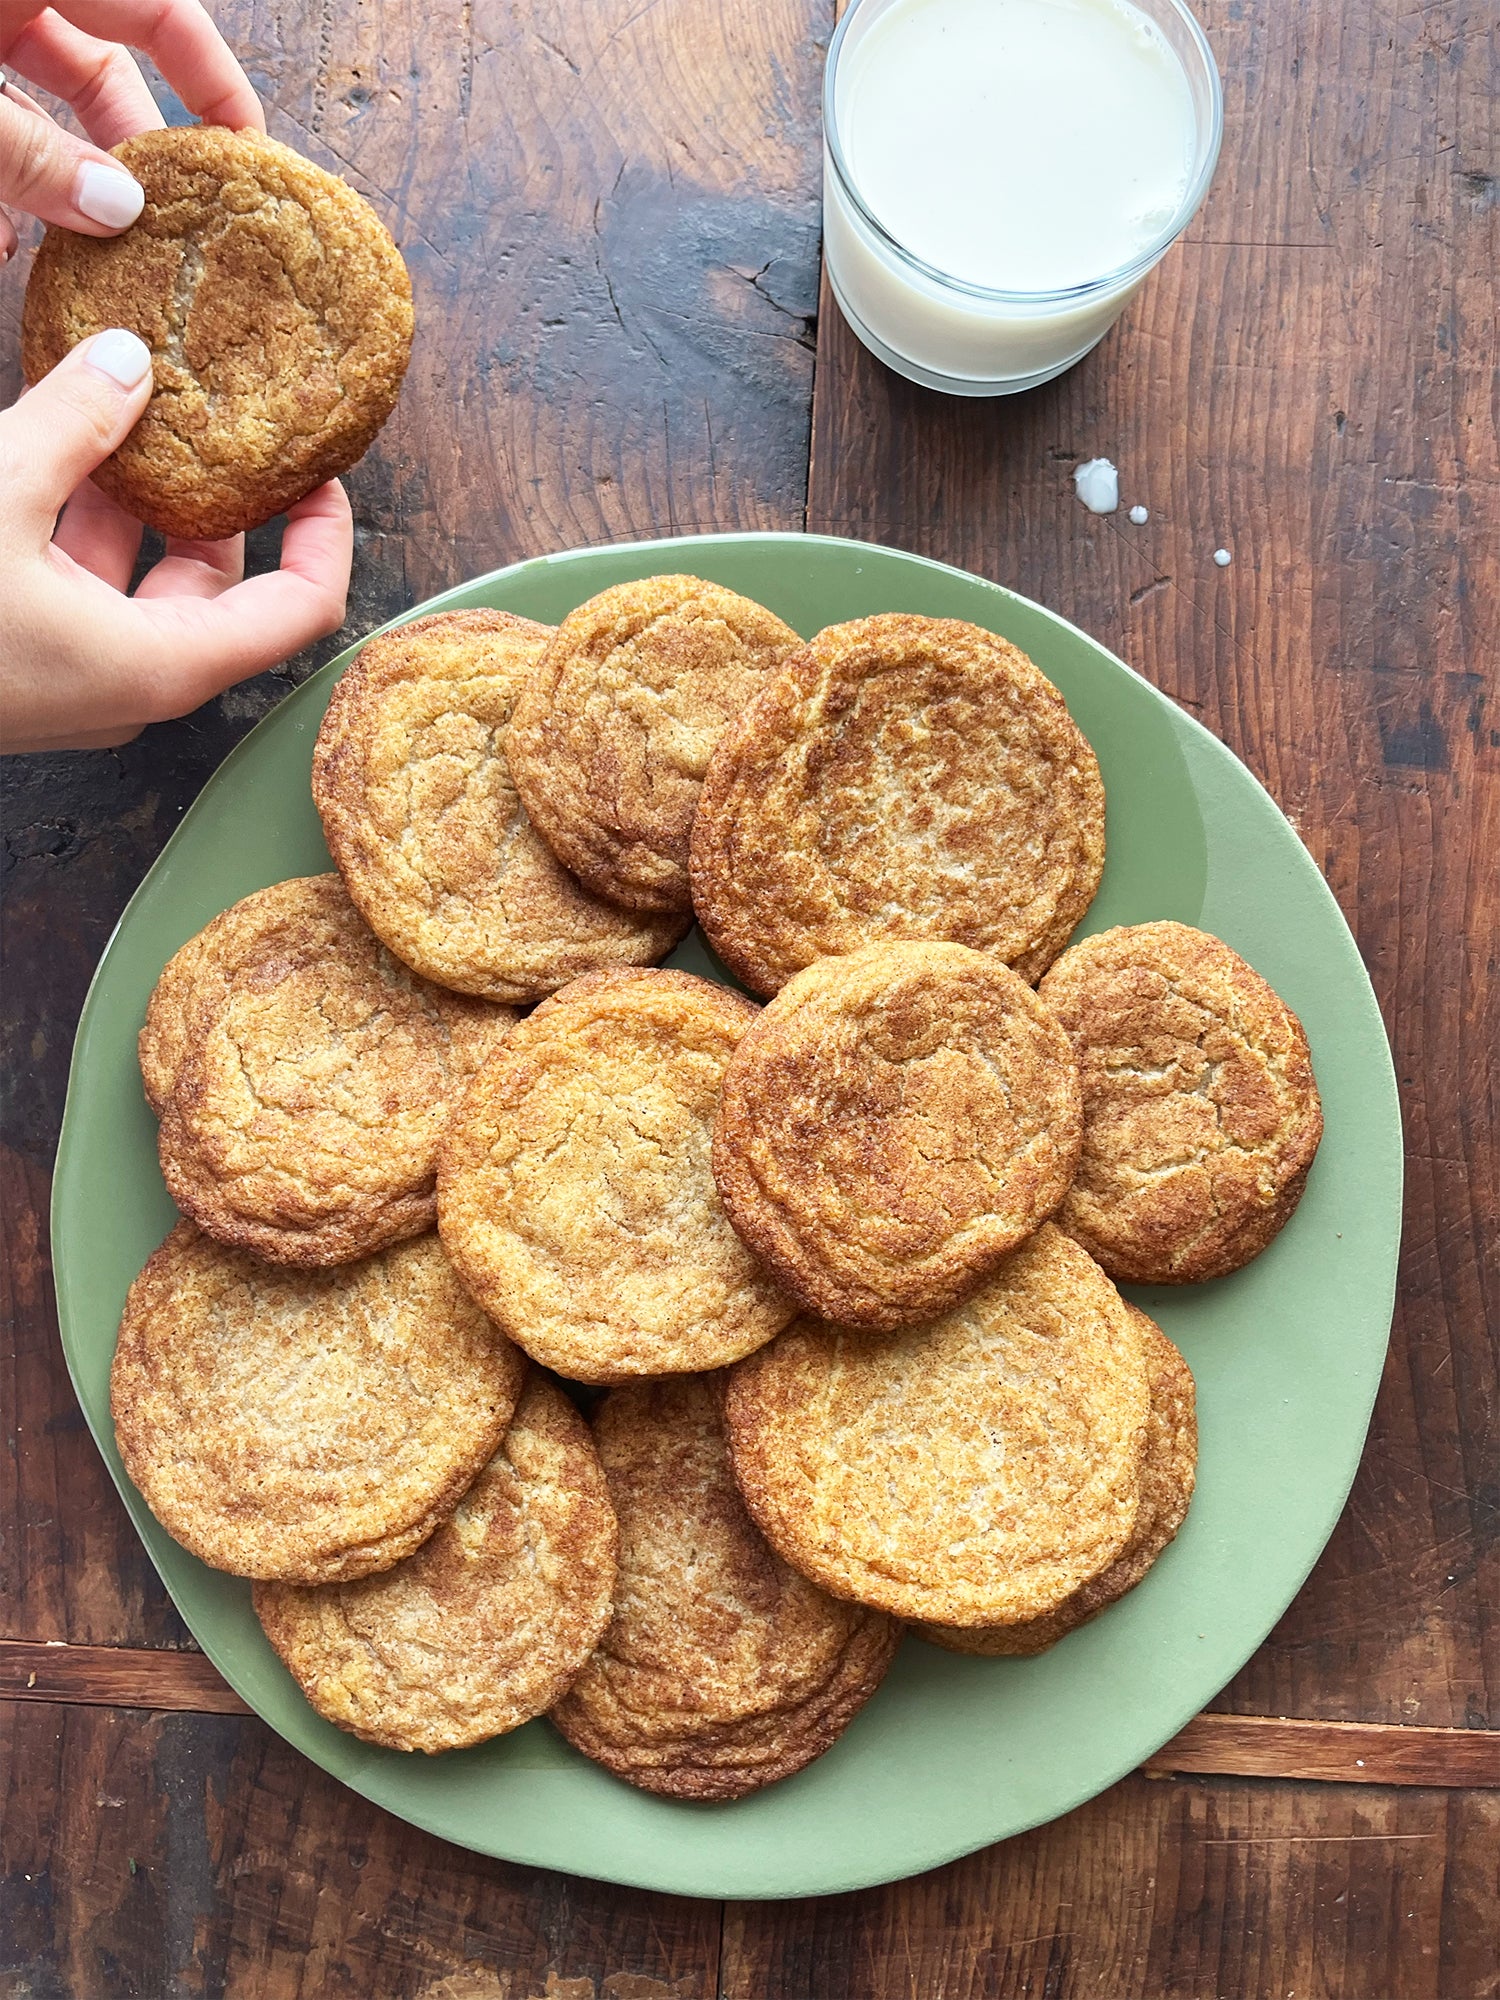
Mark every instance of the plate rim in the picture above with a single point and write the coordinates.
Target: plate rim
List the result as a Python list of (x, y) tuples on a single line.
[(221, 1656)]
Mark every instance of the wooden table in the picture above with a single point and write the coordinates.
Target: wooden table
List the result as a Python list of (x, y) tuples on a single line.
[(610, 210)]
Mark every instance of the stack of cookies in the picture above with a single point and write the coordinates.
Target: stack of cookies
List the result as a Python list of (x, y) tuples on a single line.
[(843, 1264)]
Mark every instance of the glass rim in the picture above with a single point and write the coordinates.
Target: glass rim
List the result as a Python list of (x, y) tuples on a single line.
[(1137, 266)]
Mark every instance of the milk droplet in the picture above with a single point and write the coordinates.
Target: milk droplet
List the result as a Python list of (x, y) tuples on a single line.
[(1098, 486), (1140, 516), (1223, 558)]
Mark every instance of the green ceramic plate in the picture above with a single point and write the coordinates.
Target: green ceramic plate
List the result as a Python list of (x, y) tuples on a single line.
[(952, 1753)]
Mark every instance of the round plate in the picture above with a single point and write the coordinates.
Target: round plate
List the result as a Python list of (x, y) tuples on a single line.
[(952, 1753)]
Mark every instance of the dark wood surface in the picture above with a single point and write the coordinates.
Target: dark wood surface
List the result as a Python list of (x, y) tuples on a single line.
[(1218, 1745), (610, 208)]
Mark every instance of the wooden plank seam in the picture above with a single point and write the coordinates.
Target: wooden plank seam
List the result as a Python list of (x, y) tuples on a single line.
[(1231, 1746)]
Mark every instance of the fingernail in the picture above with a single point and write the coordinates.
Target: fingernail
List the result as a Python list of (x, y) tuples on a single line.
[(108, 195), (124, 357)]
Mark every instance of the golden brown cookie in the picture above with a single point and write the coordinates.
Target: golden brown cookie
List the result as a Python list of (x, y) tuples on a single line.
[(613, 732), (900, 777), (312, 1425), (1200, 1110), (1168, 1469), (575, 1193), (973, 1470), (723, 1669), (278, 314), (487, 1623), (412, 780), (311, 1077), (892, 1125), (163, 1042)]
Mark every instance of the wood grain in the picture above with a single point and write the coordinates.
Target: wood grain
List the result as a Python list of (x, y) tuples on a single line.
[(207, 1857), (1347, 1753), (1307, 379), (1195, 1890), (71, 1565), (1256, 1746), (204, 1857), (115, 1677)]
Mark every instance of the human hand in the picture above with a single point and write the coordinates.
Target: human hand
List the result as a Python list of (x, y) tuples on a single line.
[(73, 51), (82, 665)]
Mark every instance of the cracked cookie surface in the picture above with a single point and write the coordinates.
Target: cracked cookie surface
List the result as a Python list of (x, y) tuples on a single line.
[(277, 310), (613, 733), (310, 1077), (1168, 1469), (899, 778), (892, 1125), (412, 779), (974, 1470), (722, 1669), (486, 1624), (166, 1035), (575, 1192), (305, 1424), (1200, 1110)]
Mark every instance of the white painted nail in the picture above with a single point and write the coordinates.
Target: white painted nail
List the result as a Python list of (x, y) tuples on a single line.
[(108, 195), (124, 357)]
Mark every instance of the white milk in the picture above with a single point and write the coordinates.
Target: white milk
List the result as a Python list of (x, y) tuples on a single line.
[(1097, 484), (1001, 174)]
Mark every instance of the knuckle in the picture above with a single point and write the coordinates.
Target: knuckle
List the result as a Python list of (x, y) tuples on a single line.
[(110, 73), (160, 695), (164, 704), (32, 163), (321, 606), (23, 480), (93, 407)]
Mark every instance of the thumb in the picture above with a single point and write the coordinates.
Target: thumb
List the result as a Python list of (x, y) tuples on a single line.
[(69, 422), (48, 172)]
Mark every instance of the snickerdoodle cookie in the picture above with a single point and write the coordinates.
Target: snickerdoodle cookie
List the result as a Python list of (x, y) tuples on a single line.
[(723, 1669), (166, 1035), (1168, 1469), (1200, 1110), (311, 1425), (412, 779), (575, 1193), (900, 777), (487, 1623), (613, 732), (308, 1077), (278, 314), (892, 1125), (974, 1470)]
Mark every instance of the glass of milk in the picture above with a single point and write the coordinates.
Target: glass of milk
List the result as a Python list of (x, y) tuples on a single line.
[(1000, 175)]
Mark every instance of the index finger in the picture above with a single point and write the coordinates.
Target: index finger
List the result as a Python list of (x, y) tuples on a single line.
[(98, 79), (184, 44)]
